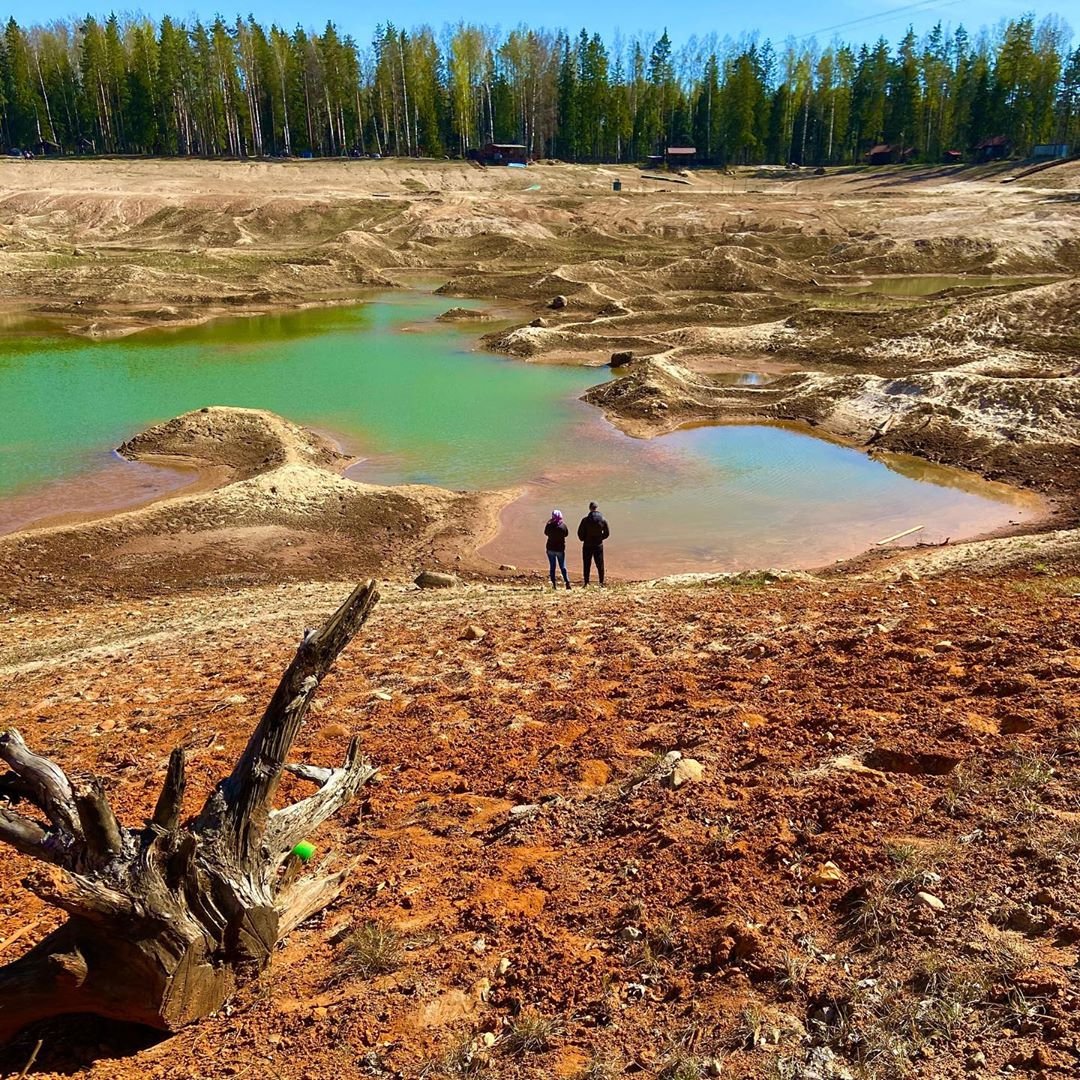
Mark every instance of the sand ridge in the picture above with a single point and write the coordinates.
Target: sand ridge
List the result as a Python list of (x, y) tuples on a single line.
[(283, 511)]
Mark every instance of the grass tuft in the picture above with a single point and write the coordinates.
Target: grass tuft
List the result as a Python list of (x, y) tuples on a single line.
[(373, 948), (530, 1032)]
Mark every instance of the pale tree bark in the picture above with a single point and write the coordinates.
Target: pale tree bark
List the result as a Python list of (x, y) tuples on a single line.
[(164, 921)]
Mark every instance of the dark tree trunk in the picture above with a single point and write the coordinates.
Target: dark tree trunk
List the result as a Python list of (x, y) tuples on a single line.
[(165, 920)]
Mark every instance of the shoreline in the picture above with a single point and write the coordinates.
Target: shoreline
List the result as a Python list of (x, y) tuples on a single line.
[(209, 477)]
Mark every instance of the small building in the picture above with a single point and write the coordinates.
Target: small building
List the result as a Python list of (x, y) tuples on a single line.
[(1050, 151), (996, 148), (85, 145), (952, 157), (681, 156), (654, 161), (889, 154), (44, 147), (500, 154)]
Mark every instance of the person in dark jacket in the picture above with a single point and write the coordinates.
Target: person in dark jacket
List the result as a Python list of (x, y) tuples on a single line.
[(592, 532), (556, 531)]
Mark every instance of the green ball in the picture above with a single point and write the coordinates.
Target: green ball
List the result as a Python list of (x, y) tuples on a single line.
[(304, 850)]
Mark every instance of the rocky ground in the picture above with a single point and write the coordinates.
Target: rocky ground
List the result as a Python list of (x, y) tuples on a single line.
[(753, 829)]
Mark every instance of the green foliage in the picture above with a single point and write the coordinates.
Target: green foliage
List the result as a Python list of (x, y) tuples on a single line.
[(128, 85)]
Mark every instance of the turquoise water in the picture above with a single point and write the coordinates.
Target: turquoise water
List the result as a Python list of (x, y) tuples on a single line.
[(417, 400), (449, 414)]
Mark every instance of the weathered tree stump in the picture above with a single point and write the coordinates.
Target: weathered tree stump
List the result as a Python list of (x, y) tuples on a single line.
[(165, 920)]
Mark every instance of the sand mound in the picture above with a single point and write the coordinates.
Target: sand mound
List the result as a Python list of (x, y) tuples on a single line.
[(461, 314), (1043, 319), (246, 441), (285, 512)]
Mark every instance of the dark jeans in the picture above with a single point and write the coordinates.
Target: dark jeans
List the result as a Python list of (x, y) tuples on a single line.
[(591, 554), (560, 557)]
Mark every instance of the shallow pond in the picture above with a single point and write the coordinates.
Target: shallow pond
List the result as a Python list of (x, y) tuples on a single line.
[(928, 284), (420, 403)]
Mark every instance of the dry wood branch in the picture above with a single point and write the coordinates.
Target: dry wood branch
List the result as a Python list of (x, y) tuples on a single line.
[(171, 800), (288, 826), (23, 835), (99, 824), (46, 783), (165, 920), (248, 790), (308, 897), (313, 774), (86, 897)]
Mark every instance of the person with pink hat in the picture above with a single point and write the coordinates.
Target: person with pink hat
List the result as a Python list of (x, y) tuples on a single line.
[(556, 531)]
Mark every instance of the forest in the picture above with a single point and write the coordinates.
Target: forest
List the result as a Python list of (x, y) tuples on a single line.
[(128, 85)]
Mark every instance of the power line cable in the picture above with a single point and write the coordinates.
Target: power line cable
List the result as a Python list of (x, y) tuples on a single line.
[(922, 7)]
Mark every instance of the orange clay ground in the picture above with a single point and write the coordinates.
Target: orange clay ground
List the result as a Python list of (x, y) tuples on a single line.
[(859, 744)]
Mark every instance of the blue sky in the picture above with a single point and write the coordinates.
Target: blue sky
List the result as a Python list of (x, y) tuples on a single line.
[(855, 20)]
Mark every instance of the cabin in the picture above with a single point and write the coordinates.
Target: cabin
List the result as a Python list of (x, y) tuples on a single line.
[(1050, 151), (952, 157), (500, 154), (678, 157), (45, 147), (889, 154), (996, 148), (85, 145)]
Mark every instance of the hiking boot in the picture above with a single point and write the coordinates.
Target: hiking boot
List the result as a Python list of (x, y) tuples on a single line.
[(568, 586)]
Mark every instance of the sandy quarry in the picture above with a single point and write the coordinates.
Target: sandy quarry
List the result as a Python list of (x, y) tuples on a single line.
[(901, 728), (714, 272)]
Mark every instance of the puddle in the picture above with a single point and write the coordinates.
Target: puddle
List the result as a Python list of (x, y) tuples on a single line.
[(907, 285)]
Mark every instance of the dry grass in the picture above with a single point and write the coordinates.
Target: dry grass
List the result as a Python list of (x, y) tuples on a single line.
[(530, 1032), (681, 1065), (373, 948)]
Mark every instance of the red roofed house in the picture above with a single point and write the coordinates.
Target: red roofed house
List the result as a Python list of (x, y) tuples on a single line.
[(994, 149), (888, 154)]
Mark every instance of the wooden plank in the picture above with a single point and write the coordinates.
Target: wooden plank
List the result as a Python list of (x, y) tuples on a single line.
[(897, 536)]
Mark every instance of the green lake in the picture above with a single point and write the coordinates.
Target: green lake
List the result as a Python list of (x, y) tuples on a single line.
[(419, 402)]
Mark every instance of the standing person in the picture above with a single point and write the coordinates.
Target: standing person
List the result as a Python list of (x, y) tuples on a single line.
[(556, 531), (592, 532)]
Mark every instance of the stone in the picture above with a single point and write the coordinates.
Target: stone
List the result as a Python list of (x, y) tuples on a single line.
[(523, 811), (558, 303), (943, 646), (828, 873), (539, 323), (686, 771), (930, 900), (630, 933), (976, 1060), (334, 731), (503, 967), (509, 567), (823, 1064), (619, 359), (432, 579), (474, 633)]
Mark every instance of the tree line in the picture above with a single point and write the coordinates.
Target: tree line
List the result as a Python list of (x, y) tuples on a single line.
[(132, 86)]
